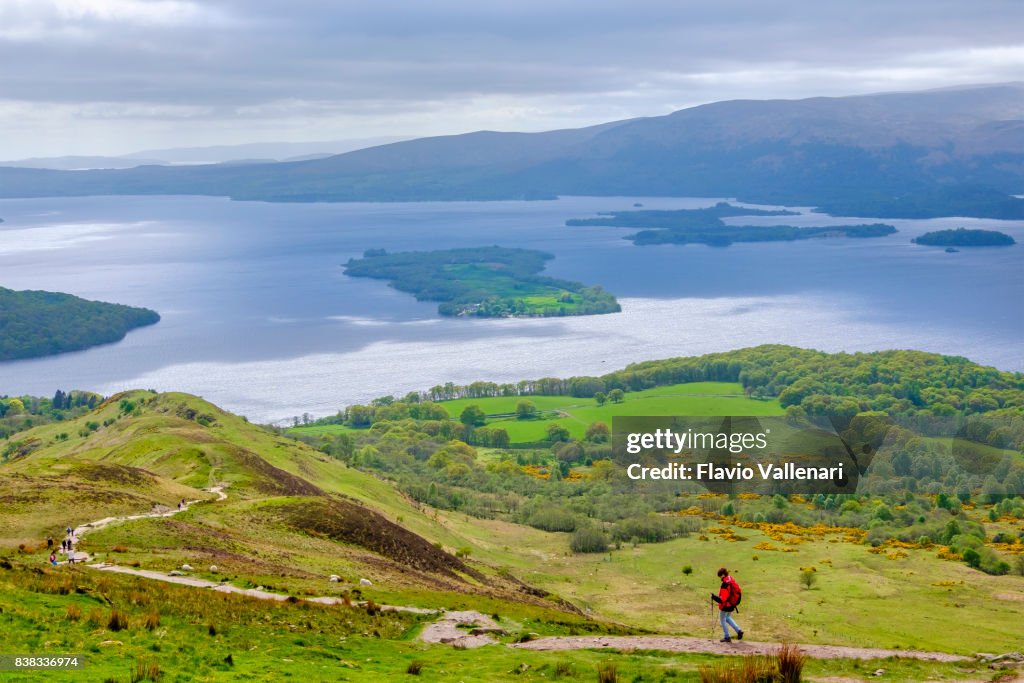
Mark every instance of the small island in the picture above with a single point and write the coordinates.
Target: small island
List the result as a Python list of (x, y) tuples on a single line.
[(705, 226), (962, 237), (37, 323), (483, 282)]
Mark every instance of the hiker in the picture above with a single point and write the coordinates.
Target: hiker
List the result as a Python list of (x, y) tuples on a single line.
[(49, 543), (728, 599), (63, 546), (179, 507), (53, 559)]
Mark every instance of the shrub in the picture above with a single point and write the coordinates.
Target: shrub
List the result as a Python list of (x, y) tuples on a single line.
[(588, 539), (118, 620), (414, 668), (74, 612), (646, 528), (552, 519), (687, 570), (808, 577)]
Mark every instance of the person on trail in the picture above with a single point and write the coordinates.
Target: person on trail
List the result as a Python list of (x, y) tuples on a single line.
[(53, 559), (728, 598), (179, 507), (49, 542)]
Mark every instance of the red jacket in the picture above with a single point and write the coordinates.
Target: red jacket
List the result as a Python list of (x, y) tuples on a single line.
[(724, 594)]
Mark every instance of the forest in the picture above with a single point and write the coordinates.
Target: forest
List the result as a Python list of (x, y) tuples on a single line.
[(483, 282), (962, 237), (38, 323), (705, 226)]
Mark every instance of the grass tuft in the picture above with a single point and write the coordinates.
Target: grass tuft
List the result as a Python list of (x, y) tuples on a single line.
[(607, 672), (118, 620)]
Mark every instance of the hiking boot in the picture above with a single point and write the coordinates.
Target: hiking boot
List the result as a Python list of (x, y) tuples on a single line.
[(727, 639), (739, 635)]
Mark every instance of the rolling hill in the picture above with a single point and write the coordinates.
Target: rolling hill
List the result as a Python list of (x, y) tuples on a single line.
[(290, 512), (941, 152)]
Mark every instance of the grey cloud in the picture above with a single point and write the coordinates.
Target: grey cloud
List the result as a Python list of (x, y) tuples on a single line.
[(234, 60)]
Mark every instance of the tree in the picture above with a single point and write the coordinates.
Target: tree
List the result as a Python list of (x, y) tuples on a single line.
[(526, 410), (601, 398), (808, 577), (616, 396), (557, 432), (598, 432), (359, 416), (473, 416)]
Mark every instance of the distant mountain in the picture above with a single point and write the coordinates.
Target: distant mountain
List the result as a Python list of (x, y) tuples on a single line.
[(80, 163), (256, 152), (940, 152), (266, 151)]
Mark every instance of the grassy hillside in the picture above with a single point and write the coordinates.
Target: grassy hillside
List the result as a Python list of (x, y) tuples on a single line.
[(291, 512), (295, 515)]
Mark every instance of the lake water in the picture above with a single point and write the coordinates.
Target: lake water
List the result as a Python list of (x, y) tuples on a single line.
[(258, 317)]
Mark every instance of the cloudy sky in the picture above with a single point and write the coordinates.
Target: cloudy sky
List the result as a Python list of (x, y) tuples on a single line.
[(116, 76)]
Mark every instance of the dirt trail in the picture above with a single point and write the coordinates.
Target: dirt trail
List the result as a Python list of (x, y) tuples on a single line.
[(83, 529), (736, 647), (195, 582)]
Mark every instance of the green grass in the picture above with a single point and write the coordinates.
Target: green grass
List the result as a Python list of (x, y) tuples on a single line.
[(861, 599), (262, 641), (575, 414)]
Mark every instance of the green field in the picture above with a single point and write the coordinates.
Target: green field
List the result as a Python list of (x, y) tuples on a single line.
[(575, 414)]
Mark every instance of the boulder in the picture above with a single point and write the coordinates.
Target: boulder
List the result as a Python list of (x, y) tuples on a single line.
[(175, 572), (213, 569), (186, 568), (365, 582), (334, 578)]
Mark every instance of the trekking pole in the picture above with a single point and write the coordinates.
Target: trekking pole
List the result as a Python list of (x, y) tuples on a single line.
[(712, 617)]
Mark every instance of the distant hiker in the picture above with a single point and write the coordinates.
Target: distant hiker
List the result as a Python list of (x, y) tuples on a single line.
[(49, 542), (71, 555), (68, 530), (179, 507), (63, 545), (728, 599), (53, 559)]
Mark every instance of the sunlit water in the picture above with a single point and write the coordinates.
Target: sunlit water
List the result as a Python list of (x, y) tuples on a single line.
[(258, 317)]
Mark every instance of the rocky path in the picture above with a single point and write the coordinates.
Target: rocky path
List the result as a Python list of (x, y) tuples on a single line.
[(736, 647)]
